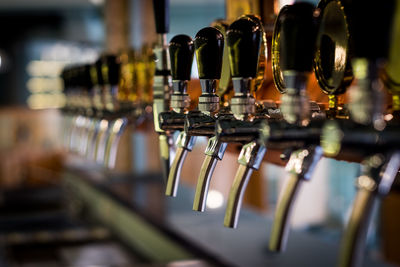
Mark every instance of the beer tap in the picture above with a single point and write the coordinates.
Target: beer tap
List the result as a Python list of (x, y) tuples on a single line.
[(181, 51), (81, 104), (245, 39), (99, 124), (87, 108), (69, 110), (293, 21), (368, 133), (333, 72), (127, 109), (209, 45), (162, 81), (108, 68), (379, 169)]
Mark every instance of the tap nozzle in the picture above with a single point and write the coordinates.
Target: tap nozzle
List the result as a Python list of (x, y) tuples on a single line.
[(214, 151), (379, 172), (250, 159), (300, 166), (184, 143)]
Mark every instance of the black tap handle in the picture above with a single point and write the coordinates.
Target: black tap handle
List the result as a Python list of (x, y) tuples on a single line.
[(209, 48), (110, 69), (181, 53), (370, 24), (75, 76), (298, 36), (99, 76), (66, 77), (244, 41), (161, 15), (86, 79)]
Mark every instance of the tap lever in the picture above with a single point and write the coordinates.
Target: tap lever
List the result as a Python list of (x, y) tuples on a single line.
[(250, 159), (181, 54), (366, 17), (298, 33), (184, 144), (161, 15), (215, 151), (379, 172), (244, 41), (300, 166), (209, 48)]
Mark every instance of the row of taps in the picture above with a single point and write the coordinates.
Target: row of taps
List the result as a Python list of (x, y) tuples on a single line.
[(103, 99), (347, 46)]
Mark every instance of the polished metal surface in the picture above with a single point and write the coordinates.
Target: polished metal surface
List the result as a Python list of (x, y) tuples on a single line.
[(92, 139), (295, 105), (300, 167), (243, 106), (332, 66), (203, 183), (214, 151), (209, 100), (164, 150), (275, 57), (236, 196), (101, 142), (250, 158), (161, 97), (367, 96), (281, 226), (180, 100), (209, 86), (184, 144), (375, 181), (117, 129), (175, 172)]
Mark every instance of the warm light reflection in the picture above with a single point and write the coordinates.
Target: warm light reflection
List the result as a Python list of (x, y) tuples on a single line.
[(97, 2), (215, 199), (388, 117), (340, 58)]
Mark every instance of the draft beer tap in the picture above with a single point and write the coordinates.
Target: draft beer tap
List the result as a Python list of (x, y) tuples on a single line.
[(162, 81), (209, 45), (367, 113), (181, 51), (245, 39), (333, 72)]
